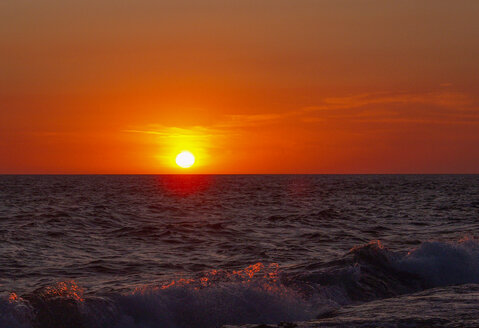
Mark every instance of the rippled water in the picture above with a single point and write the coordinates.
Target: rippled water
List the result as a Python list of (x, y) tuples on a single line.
[(202, 251)]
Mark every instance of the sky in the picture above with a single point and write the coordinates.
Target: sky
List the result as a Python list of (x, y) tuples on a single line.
[(263, 86)]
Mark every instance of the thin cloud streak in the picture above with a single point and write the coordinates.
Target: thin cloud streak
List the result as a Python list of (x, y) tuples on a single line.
[(431, 108), (442, 108)]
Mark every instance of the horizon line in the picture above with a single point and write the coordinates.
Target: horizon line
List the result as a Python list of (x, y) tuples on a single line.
[(198, 174)]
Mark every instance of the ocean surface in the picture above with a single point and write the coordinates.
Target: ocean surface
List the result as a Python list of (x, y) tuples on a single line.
[(179, 251)]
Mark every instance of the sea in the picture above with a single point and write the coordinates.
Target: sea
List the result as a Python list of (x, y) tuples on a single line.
[(207, 251)]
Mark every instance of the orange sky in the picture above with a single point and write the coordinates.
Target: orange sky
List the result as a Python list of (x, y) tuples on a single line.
[(272, 86)]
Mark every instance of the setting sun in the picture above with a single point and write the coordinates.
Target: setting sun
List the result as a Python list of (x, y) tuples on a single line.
[(185, 159)]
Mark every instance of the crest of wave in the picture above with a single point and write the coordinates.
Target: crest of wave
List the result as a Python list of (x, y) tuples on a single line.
[(254, 294), (442, 264)]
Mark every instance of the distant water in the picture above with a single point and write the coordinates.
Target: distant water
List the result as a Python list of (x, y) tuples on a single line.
[(204, 251)]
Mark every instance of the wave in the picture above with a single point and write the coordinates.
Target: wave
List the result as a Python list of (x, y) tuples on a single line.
[(432, 264), (254, 294), (371, 271), (257, 294), (442, 264)]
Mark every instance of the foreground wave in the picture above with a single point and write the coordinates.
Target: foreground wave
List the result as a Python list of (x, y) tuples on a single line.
[(368, 274)]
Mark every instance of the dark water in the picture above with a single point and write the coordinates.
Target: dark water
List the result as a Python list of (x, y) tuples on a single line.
[(203, 251)]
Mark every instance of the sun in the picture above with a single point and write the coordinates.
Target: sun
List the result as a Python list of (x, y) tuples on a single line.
[(185, 159)]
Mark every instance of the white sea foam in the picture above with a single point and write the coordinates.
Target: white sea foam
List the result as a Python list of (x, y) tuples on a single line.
[(442, 264), (185, 306), (15, 314)]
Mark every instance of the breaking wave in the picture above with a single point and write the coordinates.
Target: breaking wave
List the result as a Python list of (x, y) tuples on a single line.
[(254, 294), (442, 264), (257, 294)]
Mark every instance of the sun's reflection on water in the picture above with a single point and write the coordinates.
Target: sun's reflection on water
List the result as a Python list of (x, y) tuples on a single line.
[(185, 184)]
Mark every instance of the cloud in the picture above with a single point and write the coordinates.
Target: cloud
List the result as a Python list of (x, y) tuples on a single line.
[(162, 131), (446, 99), (228, 126), (438, 107), (253, 120), (432, 107)]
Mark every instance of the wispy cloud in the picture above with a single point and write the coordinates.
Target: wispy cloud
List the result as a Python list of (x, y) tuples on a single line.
[(230, 125), (446, 99), (249, 120), (439, 107), (174, 132)]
